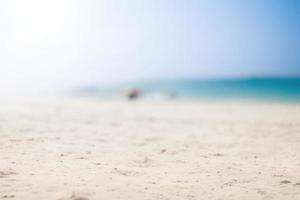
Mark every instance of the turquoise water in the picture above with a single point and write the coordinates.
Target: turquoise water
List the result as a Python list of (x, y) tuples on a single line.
[(269, 89)]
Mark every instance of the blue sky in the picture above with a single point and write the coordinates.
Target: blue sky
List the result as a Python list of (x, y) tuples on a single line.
[(64, 42)]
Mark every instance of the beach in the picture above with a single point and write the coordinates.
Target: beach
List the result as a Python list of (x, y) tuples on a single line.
[(91, 149)]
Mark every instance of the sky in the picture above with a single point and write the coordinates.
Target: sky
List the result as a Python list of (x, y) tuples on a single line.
[(62, 43)]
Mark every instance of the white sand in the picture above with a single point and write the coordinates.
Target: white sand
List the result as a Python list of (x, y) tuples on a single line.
[(97, 150)]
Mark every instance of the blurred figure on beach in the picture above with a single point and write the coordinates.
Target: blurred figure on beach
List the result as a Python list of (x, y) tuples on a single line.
[(133, 94)]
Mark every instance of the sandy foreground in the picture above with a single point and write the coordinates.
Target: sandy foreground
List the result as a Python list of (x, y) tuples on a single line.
[(93, 150)]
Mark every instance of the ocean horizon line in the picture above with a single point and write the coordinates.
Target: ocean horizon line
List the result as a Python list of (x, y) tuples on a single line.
[(267, 88)]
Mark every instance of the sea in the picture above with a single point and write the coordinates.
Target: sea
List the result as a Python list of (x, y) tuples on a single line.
[(258, 89)]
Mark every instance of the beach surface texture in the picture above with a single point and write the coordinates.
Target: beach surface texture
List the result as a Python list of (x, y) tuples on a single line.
[(87, 149)]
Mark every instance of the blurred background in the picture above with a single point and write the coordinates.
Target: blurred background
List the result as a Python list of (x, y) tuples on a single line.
[(48, 46)]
